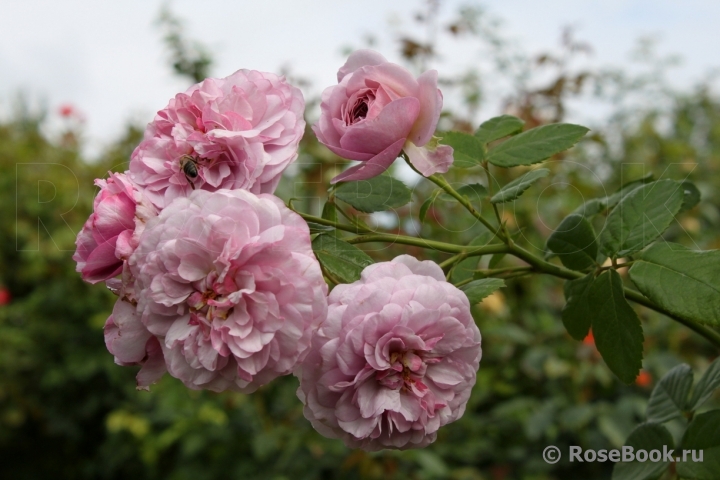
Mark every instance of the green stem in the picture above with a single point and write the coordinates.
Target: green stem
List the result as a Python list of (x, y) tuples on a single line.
[(330, 223), (500, 271), (442, 183), (424, 243), (710, 334), (546, 267)]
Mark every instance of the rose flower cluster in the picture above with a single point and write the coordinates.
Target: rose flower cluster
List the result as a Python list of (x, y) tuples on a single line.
[(216, 281)]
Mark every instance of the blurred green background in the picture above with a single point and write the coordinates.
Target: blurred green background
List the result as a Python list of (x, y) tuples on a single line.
[(67, 412)]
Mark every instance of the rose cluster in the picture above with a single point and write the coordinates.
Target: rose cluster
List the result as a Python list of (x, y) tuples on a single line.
[(216, 279)]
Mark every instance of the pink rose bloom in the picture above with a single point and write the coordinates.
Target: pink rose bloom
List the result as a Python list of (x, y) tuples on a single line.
[(241, 131), (228, 284), (377, 110), (394, 361), (112, 232)]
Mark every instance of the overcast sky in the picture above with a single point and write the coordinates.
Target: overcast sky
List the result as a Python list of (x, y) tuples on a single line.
[(107, 58)]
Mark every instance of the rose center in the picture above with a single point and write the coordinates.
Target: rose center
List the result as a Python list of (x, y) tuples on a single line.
[(360, 111), (406, 372)]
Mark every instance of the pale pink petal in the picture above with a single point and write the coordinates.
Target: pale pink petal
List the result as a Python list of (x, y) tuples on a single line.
[(430, 108), (359, 59), (429, 162)]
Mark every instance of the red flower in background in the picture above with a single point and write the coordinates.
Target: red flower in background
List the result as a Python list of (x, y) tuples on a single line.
[(66, 110), (643, 379), (4, 296)]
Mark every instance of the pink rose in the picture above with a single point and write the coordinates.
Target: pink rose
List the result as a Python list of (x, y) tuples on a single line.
[(377, 110), (111, 234), (241, 131), (132, 344), (228, 284), (394, 361)]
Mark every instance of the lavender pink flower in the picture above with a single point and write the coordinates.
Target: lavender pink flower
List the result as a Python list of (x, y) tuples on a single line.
[(241, 131), (112, 232), (395, 360), (377, 110), (227, 284)]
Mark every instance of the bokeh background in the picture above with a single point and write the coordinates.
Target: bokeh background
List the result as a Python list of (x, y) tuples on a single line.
[(80, 80)]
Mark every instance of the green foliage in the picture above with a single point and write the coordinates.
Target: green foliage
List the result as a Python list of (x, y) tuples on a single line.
[(536, 145), (474, 192), (188, 59), (708, 383), (648, 437), (481, 288), (577, 315), (514, 189), (468, 150), (616, 326), (640, 217), (669, 398), (341, 260), (691, 196), (574, 243), (427, 204), (374, 195), (703, 434), (498, 127), (668, 401), (685, 282)]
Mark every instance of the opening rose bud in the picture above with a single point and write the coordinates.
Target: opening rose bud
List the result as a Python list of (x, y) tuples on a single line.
[(377, 110), (112, 232)]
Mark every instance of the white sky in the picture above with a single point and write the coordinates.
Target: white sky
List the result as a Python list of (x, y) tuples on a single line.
[(107, 58)]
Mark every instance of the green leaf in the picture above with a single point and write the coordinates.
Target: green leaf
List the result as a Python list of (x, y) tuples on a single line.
[(319, 228), (514, 189), (616, 327), (576, 314), (596, 205), (474, 192), (468, 151), (574, 242), (495, 259), (591, 208), (626, 188), (640, 217), (341, 259), (479, 289), (374, 195), (330, 212), (427, 204), (648, 437), (669, 397), (499, 127), (691, 196), (703, 433), (536, 145), (706, 386), (685, 282)]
